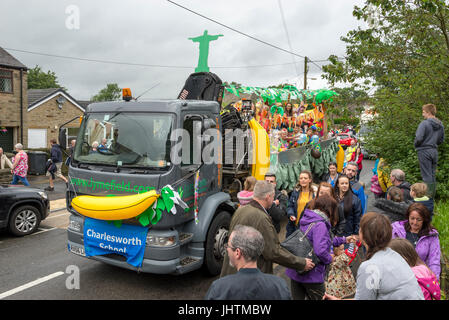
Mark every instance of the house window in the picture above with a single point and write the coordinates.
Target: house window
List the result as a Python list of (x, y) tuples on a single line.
[(5, 81)]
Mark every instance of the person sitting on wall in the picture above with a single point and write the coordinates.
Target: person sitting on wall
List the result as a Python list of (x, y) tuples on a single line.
[(418, 191)]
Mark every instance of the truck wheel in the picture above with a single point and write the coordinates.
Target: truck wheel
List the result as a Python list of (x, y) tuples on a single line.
[(24, 220), (217, 237)]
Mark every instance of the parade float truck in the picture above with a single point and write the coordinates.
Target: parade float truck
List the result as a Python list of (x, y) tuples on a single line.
[(136, 203)]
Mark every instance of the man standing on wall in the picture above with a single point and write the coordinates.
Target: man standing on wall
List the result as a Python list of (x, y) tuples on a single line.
[(56, 158), (429, 135)]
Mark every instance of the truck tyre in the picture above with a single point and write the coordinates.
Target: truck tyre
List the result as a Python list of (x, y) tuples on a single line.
[(217, 237), (24, 220)]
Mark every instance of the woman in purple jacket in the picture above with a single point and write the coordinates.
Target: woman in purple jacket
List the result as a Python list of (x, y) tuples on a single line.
[(422, 235), (324, 215)]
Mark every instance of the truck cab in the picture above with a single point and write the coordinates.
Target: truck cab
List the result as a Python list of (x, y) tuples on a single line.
[(132, 147)]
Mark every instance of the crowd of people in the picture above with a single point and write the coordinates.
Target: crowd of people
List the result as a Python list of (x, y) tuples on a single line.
[(289, 125), (340, 233)]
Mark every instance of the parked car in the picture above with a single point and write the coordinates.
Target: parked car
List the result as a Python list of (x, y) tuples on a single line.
[(345, 139), (22, 209)]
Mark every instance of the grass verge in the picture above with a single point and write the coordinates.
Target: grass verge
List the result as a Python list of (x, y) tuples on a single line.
[(441, 223)]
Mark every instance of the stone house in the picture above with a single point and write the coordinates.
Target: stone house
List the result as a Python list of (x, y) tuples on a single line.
[(48, 109), (13, 101)]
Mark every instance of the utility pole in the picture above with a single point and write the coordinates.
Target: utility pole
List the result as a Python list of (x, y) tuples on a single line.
[(305, 73)]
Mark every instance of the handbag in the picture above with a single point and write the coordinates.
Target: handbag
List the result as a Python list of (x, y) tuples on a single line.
[(298, 244)]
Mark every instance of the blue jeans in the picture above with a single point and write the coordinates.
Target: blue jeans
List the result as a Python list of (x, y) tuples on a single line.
[(23, 179)]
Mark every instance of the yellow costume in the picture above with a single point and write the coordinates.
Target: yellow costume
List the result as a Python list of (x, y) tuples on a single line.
[(383, 175)]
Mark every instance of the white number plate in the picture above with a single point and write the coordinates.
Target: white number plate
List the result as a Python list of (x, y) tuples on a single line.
[(77, 250)]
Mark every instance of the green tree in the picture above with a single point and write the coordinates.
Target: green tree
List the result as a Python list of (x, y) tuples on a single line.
[(111, 92), (38, 79), (404, 55), (348, 106)]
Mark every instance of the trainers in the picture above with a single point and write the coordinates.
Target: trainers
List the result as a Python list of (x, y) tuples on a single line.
[(49, 189)]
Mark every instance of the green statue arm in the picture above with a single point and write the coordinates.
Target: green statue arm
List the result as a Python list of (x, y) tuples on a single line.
[(215, 37)]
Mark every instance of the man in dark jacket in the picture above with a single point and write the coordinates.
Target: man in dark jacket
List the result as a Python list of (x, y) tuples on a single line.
[(397, 178), (278, 210), (429, 135), (244, 247), (56, 159), (255, 215), (351, 171)]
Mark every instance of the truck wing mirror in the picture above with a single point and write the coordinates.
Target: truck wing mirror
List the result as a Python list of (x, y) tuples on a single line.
[(63, 138)]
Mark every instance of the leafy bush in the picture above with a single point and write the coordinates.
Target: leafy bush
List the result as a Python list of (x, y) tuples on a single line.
[(402, 53), (347, 120), (441, 223)]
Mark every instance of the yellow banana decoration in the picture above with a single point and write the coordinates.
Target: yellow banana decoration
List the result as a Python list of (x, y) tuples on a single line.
[(114, 208), (261, 150)]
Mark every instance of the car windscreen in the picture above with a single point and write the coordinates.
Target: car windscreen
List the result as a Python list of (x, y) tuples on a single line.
[(139, 140)]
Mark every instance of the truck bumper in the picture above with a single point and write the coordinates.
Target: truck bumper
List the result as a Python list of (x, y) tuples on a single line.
[(180, 258)]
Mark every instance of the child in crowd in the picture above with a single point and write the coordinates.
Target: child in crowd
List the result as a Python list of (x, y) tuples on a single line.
[(418, 192), (426, 278), (340, 280), (246, 195)]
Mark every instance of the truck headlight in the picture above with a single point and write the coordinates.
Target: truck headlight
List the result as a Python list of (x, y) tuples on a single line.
[(43, 195), (157, 241)]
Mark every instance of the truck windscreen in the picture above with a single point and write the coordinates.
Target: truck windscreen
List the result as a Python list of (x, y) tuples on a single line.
[(138, 140)]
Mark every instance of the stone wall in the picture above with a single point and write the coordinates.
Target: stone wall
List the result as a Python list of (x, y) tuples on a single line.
[(5, 176), (10, 106)]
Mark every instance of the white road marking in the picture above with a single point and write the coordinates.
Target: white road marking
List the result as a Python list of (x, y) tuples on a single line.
[(30, 284), (43, 230), (58, 215)]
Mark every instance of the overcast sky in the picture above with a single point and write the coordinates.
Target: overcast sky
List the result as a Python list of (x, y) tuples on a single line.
[(156, 32)]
